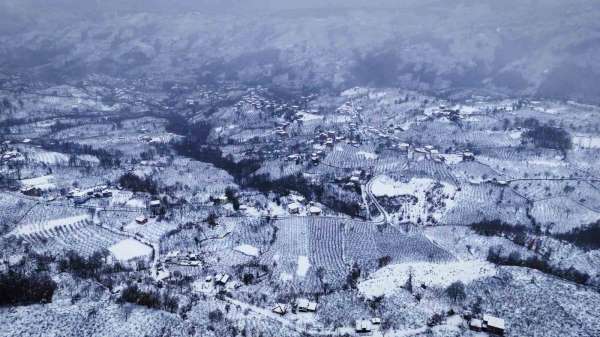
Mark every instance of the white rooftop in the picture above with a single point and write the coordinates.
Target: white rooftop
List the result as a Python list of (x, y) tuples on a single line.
[(493, 321)]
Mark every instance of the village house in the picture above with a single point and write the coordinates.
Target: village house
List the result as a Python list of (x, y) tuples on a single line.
[(304, 305), (363, 326), (468, 156), (80, 197), (222, 278), (294, 208), (156, 207), (314, 210), (476, 324), (141, 220), (280, 309), (490, 324), (493, 325)]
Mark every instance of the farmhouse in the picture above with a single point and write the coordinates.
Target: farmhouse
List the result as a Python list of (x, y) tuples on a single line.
[(304, 305), (156, 207), (363, 326), (221, 278), (476, 324), (493, 325), (468, 156), (80, 197), (141, 219), (375, 320), (280, 309), (314, 210), (294, 208)]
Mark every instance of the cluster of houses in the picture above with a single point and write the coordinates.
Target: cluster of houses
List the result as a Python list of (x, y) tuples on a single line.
[(445, 111), (365, 326), (430, 152), (223, 280), (355, 179), (301, 305), (156, 208), (81, 196), (297, 206), (189, 259)]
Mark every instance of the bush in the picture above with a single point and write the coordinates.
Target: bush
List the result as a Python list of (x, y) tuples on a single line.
[(456, 291), (150, 299), (215, 315), (135, 183), (436, 319), (587, 238), (17, 288), (384, 261), (81, 266), (497, 228)]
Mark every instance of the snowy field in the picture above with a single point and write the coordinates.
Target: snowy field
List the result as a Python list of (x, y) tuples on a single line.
[(390, 279), (130, 249)]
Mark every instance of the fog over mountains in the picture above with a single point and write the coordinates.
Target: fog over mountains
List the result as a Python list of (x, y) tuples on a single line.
[(526, 47)]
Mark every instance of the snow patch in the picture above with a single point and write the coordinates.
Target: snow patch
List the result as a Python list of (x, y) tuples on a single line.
[(367, 155), (247, 250), (303, 266)]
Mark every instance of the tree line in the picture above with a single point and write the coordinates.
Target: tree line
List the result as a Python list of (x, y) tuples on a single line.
[(19, 288)]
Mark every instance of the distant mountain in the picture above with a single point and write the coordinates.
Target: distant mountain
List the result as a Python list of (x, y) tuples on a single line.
[(530, 47)]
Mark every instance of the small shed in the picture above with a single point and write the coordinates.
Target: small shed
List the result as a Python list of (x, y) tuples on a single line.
[(376, 321), (468, 156)]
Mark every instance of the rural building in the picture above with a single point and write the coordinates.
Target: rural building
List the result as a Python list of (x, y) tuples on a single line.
[(363, 326), (221, 278), (294, 208), (476, 324), (314, 210), (493, 325), (31, 191), (156, 207), (80, 197), (280, 309), (304, 305), (375, 320), (141, 220), (468, 156)]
